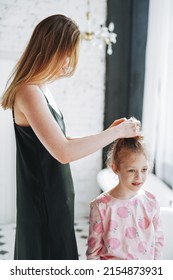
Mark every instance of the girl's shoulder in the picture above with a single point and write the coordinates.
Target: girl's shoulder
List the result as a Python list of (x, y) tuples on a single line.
[(103, 198), (149, 195), (151, 199)]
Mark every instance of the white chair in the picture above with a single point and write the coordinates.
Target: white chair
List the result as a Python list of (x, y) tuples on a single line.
[(167, 222)]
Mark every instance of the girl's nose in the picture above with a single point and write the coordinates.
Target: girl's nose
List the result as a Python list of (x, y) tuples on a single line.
[(138, 174)]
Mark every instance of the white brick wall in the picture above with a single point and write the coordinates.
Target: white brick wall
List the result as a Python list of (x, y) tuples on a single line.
[(81, 97)]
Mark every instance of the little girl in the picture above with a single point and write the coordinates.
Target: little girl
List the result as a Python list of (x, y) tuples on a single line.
[(125, 221)]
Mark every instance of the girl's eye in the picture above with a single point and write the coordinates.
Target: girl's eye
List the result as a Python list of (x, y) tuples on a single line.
[(144, 169), (131, 170)]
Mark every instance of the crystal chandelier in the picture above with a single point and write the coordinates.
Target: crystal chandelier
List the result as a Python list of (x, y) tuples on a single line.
[(105, 34)]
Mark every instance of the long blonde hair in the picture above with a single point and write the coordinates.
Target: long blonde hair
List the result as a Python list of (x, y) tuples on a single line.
[(53, 39)]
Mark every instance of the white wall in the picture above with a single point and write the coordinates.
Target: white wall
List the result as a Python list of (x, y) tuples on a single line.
[(80, 98), (7, 154)]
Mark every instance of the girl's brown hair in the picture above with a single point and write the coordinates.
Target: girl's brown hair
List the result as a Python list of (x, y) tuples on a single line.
[(54, 38), (121, 149)]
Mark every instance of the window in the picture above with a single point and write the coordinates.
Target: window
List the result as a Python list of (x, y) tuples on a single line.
[(158, 89)]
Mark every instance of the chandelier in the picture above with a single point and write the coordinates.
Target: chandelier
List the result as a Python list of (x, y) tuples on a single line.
[(105, 34)]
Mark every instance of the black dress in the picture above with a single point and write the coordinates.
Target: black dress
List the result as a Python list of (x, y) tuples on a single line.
[(45, 200)]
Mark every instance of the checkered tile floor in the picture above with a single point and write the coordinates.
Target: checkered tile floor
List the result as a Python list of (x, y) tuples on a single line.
[(7, 234)]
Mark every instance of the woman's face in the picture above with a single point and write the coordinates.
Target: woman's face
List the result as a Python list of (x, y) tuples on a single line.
[(65, 66), (62, 67)]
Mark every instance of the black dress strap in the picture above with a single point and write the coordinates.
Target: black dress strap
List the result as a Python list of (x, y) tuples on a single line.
[(44, 95), (13, 112), (55, 111)]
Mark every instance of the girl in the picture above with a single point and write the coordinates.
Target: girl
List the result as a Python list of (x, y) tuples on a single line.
[(125, 221), (45, 194)]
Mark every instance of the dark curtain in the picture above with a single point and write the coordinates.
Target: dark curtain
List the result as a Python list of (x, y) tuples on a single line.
[(125, 68)]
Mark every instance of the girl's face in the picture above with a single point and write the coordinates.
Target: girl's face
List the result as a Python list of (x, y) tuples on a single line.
[(132, 171)]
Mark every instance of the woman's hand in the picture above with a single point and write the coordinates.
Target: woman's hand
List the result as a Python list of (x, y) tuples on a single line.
[(128, 128), (116, 122)]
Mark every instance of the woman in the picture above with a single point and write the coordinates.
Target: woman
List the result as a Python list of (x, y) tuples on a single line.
[(45, 195)]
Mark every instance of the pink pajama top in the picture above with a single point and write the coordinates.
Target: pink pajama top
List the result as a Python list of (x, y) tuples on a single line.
[(125, 229)]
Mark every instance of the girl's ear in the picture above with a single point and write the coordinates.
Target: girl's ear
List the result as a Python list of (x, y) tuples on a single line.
[(115, 168)]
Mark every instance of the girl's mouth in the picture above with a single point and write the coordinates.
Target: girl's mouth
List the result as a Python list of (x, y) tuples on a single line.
[(137, 183)]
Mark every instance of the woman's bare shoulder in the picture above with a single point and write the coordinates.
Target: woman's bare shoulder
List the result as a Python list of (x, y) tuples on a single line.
[(27, 92), (27, 100)]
